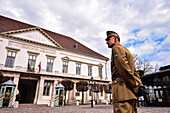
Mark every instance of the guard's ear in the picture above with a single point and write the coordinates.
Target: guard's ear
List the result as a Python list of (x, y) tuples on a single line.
[(116, 39)]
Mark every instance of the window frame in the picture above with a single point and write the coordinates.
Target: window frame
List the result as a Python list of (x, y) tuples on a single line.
[(12, 50), (100, 72), (32, 54), (65, 66), (89, 70), (46, 89), (78, 68)]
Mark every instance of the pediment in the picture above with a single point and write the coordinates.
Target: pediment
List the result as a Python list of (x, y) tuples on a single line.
[(34, 35)]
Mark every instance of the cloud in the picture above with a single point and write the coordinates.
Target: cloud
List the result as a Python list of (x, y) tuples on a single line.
[(88, 20)]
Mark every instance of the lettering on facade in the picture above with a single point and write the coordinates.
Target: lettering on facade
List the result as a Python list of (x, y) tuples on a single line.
[(28, 47), (35, 38)]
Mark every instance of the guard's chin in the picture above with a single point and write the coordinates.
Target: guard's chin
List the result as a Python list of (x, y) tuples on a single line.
[(110, 46)]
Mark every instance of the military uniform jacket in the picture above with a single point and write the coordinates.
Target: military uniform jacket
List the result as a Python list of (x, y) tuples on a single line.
[(125, 86)]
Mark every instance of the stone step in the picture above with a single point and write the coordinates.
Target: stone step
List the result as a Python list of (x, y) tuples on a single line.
[(32, 105)]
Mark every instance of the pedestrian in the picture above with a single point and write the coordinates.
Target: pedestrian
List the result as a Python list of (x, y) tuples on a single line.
[(125, 79), (142, 101)]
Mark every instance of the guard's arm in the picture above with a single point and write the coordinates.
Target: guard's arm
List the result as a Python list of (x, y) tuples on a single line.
[(124, 69)]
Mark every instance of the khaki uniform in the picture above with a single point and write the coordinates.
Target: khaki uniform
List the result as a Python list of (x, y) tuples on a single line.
[(125, 86)]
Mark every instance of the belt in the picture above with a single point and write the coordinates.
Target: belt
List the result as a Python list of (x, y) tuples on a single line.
[(115, 76)]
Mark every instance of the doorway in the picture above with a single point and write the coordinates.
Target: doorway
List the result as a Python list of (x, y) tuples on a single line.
[(27, 89)]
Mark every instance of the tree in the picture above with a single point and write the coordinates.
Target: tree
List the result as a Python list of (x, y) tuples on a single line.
[(108, 89), (141, 72), (142, 66), (97, 88), (156, 68), (135, 57), (139, 64), (82, 86), (147, 67), (68, 84)]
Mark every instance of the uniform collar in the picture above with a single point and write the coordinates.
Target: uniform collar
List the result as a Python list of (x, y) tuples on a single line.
[(117, 45)]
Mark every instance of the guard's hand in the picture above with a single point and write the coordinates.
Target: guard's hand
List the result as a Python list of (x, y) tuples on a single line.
[(141, 91)]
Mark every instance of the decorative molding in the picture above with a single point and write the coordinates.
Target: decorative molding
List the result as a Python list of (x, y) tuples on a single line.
[(83, 53), (100, 66), (7, 34), (68, 59), (50, 56), (12, 49), (33, 53), (31, 47)]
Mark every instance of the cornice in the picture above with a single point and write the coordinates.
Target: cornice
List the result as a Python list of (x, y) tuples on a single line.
[(12, 49), (41, 75), (7, 34), (83, 53), (33, 53), (90, 64), (50, 56)]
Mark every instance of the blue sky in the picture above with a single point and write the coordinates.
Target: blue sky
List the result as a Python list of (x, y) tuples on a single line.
[(143, 25)]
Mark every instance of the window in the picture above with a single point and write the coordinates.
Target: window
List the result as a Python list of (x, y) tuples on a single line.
[(10, 58), (78, 68), (31, 62), (89, 70), (50, 64), (47, 85), (65, 66), (77, 93), (100, 72)]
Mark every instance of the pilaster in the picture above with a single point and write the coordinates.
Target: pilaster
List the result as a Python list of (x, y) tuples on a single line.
[(40, 92)]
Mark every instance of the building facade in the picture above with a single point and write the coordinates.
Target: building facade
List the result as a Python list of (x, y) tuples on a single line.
[(37, 60), (158, 87)]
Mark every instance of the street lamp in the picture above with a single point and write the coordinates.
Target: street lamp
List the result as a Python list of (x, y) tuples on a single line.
[(91, 85)]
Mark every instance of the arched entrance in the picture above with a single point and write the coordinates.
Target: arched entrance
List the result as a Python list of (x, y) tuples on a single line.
[(27, 89)]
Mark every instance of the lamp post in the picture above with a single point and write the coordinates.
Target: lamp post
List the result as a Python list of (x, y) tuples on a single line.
[(91, 84)]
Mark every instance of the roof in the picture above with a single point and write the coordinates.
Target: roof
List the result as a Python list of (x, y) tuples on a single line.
[(68, 43), (59, 86), (157, 78), (9, 82), (164, 67)]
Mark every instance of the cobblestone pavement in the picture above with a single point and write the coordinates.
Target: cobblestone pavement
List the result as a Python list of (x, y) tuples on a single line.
[(80, 109)]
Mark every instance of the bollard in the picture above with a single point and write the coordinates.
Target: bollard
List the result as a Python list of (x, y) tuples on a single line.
[(16, 104), (77, 102), (52, 103), (107, 102)]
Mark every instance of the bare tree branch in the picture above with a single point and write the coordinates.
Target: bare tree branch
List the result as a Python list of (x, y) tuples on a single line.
[(135, 57), (156, 68), (143, 66)]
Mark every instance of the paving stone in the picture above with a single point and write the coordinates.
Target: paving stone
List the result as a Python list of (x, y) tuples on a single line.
[(79, 109)]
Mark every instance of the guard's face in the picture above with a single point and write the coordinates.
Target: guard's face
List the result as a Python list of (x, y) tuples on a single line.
[(111, 42)]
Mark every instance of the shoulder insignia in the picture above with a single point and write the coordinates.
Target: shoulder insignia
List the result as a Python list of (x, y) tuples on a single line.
[(116, 55)]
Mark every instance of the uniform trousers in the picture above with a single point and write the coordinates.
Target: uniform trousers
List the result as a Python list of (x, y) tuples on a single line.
[(128, 106)]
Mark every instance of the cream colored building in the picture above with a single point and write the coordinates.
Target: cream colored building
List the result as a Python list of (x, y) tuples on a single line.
[(24, 47)]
